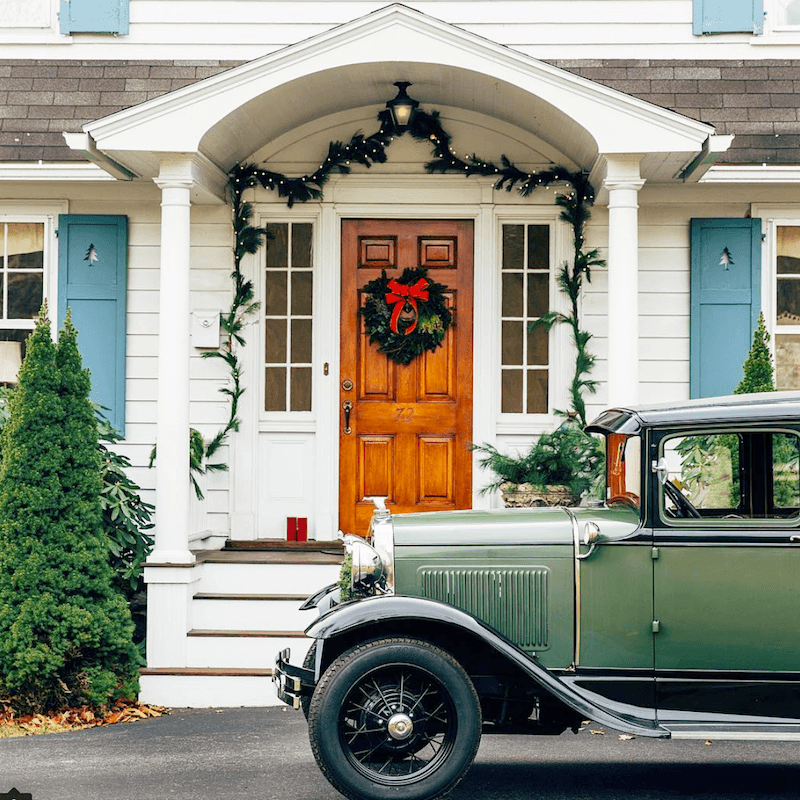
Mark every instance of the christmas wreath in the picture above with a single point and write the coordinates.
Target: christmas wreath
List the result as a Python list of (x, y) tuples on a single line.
[(406, 316)]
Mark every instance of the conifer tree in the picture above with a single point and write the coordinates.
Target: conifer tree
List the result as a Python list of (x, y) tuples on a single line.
[(758, 371), (65, 633)]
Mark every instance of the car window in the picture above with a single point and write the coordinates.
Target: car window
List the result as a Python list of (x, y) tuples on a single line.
[(623, 469), (723, 477)]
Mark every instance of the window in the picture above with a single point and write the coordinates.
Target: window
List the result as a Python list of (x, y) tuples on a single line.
[(21, 290), (288, 316), (787, 307), (525, 291), (786, 13), (623, 469), (730, 476)]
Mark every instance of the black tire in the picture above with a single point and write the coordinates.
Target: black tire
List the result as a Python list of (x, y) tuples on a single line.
[(308, 663), (394, 718)]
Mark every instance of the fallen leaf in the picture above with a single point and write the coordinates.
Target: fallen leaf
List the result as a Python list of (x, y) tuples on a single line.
[(601, 732), (708, 742), (624, 737)]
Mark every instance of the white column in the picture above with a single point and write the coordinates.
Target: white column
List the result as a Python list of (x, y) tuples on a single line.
[(623, 184), (172, 462)]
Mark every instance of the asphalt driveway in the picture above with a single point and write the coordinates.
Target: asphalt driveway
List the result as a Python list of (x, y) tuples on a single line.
[(264, 754)]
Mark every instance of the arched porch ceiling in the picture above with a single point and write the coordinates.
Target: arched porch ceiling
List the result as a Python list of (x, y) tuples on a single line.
[(292, 105), (226, 118)]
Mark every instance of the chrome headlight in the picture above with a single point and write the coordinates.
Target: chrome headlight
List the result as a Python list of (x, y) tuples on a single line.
[(372, 559), (366, 571)]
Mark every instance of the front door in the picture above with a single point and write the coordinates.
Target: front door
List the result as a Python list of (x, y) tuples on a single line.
[(405, 431)]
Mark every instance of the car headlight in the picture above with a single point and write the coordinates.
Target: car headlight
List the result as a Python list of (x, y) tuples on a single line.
[(372, 560)]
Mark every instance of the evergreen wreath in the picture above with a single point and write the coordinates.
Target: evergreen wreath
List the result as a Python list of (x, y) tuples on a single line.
[(406, 316)]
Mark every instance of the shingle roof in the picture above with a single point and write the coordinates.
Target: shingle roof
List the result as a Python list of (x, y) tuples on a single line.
[(756, 100)]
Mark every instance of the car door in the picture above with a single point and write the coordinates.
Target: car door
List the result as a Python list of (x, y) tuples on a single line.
[(726, 573)]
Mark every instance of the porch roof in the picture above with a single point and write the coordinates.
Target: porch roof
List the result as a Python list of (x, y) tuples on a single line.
[(226, 118)]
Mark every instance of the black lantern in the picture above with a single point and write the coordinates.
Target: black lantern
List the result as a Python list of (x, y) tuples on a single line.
[(402, 108)]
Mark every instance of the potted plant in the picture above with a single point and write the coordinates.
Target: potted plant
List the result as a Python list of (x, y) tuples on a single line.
[(558, 469)]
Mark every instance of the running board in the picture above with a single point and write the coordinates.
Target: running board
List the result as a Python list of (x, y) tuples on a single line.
[(766, 732)]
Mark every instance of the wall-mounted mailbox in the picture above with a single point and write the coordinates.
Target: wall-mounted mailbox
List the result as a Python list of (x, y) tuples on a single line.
[(205, 328)]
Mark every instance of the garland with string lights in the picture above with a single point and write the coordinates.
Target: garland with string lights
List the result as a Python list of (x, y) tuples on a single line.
[(369, 150)]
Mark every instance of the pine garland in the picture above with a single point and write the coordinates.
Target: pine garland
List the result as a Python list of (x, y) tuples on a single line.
[(369, 150)]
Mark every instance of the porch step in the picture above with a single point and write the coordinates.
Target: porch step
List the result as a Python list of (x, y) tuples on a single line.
[(192, 687), (219, 611), (230, 649), (267, 572)]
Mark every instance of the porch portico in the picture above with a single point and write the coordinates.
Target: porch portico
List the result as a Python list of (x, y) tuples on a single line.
[(188, 140)]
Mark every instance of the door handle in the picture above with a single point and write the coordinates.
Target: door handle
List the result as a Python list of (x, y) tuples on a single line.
[(347, 406)]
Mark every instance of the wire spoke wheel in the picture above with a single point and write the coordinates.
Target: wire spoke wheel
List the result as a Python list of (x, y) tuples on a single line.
[(396, 724), (394, 719)]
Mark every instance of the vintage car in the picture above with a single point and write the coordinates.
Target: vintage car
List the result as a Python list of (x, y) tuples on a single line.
[(670, 611)]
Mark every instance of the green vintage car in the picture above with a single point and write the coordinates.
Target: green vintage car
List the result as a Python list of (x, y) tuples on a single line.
[(671, 611)]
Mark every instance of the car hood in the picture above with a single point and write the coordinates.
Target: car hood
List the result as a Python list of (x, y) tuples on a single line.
[(508, 526)]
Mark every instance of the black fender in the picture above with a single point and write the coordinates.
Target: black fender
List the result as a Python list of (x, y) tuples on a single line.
[(362, 613)]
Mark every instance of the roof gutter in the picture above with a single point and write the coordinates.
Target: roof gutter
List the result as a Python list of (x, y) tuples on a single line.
[(713, 148), (84, 144)]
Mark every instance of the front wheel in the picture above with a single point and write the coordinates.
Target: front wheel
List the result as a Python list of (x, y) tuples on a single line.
[(395, 718)]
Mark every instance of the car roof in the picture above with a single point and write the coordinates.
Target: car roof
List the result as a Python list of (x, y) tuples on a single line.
[(765, 406)]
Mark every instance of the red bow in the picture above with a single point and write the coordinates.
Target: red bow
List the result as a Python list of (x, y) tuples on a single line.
[(399, 294)]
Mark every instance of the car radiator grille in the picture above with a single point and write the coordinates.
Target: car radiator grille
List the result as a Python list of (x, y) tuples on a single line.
[(513, 600)]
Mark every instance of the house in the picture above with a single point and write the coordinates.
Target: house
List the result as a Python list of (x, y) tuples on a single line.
[(122, 123)]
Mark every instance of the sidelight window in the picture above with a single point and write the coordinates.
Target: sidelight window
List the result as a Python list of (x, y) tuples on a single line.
[(525, 354), (288, 324)]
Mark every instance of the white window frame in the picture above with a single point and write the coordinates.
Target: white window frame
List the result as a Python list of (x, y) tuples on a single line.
[(48, 216), (560, 354), (287, 420), (773, 217)]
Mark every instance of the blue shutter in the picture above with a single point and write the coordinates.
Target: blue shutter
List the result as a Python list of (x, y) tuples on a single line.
[(94, 16), (728, 16), (725, 301), (92, 281)]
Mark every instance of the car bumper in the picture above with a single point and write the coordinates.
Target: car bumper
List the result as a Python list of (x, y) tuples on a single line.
[(291, 682)]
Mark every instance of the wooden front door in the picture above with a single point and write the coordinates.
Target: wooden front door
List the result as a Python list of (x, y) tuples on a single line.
[(410, 426)]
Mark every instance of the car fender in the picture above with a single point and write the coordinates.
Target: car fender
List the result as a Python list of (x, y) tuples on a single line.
[(363, 613)]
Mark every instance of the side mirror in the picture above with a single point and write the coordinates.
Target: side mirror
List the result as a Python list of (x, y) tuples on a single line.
[(591, 538)]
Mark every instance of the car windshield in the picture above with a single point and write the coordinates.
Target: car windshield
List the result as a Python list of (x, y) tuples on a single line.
[(623, 469)]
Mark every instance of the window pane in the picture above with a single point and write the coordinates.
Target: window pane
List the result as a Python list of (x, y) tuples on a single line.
[(24, 295), (25, 245), (704, 470), (12, 351), (275, 395), (537, 391), (277, 244), (276, 341), (301, 244), (538, 247), (302, 284), (538, 346), (512, 342), (787, 361), (785, 475), (512, 294), (538, 294), (513, 246), (301, 341), (511, 402), (275, 305), (788, 302), (301, 389)]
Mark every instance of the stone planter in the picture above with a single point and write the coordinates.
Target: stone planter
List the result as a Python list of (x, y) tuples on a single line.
[(525, 495)]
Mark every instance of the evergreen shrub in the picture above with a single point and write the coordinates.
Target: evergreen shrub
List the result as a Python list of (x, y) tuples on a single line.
[(65, 631)]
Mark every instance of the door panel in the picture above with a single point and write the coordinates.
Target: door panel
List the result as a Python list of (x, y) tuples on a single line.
[(410, 426)]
